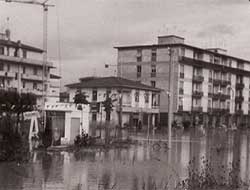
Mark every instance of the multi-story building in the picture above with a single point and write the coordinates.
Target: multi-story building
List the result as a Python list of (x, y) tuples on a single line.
[(21, 68), (209, 86), (134, 101)]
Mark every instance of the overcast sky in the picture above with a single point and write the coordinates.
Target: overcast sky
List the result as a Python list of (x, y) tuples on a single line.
[(87, 30)]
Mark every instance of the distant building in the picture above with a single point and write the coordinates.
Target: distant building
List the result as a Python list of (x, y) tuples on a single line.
[(210, 86), (21, 68), (134, 101)]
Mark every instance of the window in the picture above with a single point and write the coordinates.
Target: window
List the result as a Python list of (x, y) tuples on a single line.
[(229, 76), (216, 89), (239, 79), (209, 103), (34, 85), (24, 69), (1, 50), (8, 67), (228, 105), (181, 87), (94, 95), (197, 87), (217, 60), (108, 92), (210, 89), (138, 69), (153, 70), (211, 58), (1, 66), (24, 54), (153, 54), (197, 71), (8, 82), (181, 71), (210, 75), (94, 117), (196, 102), (224, 61), (216, 104), (198, 55), (146, 97), (24, 84), (137, 95), (217, 75), (230, 62), (139, 55), (153, 83), (35, 70), (240, 65), (180, 101)]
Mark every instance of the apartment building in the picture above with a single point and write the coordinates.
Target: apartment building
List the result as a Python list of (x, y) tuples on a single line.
[(133, 101), (21, 68), (210, 87)]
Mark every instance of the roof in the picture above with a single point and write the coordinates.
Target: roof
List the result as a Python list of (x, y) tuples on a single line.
[(111, 82), (53, 76), (180, 45), (17, 44)]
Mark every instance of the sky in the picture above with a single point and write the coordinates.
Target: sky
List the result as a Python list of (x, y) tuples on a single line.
[(82, 33)]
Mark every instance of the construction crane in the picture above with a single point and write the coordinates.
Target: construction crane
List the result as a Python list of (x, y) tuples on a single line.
[(45, 46)]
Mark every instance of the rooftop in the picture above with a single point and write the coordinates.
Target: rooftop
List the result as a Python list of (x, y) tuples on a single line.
[(176, 44), (111, 82), (17, 44)]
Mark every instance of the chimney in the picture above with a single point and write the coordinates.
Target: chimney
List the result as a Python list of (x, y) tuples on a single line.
[(217, 50), (7, 34), (170, 39)]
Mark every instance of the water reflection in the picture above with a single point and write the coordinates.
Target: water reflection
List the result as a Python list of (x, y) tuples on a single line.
[(141, 166)]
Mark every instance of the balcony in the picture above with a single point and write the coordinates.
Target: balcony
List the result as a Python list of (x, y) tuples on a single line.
[(32, 77), (216, 96), (240, 85), (197, 109), (7, 74), (225, 82), (217, 81), (224, 96), (197, 94), (198, 78), (239, 98)]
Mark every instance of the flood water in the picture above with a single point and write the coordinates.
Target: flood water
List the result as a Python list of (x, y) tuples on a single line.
[(141, 166)]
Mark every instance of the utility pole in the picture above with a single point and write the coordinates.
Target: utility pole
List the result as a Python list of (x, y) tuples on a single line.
[(170, 97), (45, 46)]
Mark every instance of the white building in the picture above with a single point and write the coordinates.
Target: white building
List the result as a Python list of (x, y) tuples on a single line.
[(133, 101), (64, 120), (21, 68)]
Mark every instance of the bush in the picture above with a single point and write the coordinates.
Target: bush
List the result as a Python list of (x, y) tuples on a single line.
[(83, 140)]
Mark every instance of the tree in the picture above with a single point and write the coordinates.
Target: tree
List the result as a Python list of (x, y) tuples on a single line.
[(108, 106), (79, 99)]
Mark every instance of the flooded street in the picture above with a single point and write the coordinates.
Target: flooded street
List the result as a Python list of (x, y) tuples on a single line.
[(141, 166)]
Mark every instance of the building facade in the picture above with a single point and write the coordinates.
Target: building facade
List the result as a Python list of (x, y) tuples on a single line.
[(210, 87), (132, 101), (22, 68)]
